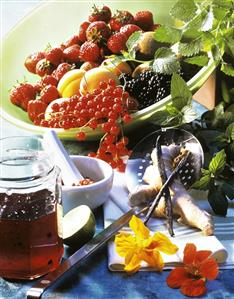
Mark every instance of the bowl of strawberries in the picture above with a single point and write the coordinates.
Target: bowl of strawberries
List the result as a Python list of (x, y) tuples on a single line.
[(100, 73)]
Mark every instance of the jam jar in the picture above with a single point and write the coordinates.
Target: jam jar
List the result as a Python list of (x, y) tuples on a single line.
[(30, 209)]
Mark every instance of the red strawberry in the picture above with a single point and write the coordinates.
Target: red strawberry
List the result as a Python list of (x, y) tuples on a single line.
[(74, 40), (98, 31), (82, 31), (49, 79), (100, 14), (61, 70), (89, 51), (88, 65), (32, 60), (38, 87), (121, 18), (36, 109), (129, 29), (44, 67), (117, 42), (54, 56), (144, 19), (49, 93), (21, 94), (71, 54)]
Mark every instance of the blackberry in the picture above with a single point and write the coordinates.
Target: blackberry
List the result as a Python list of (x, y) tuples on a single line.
[(148, 88)]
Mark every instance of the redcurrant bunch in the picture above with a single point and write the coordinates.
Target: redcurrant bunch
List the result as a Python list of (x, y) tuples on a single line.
[(106, 107)]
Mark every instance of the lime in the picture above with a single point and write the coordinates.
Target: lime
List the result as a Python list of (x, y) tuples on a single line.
[(78, 226)]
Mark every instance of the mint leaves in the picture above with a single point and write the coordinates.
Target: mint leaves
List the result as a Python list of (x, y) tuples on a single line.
[(184, 10), (165, 61), (180, 111)]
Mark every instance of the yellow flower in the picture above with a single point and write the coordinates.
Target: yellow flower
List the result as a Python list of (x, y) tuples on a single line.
[(142, 247)]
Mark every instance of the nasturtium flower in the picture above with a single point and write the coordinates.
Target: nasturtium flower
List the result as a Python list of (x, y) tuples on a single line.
[(141, 246), (198, 266)]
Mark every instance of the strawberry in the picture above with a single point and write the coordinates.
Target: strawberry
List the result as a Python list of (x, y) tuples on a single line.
[(21, 94), (61, 70), (117, 42), (49, 93), (144, 19), (54, 55), (36, 108), (32, 60), (71, 54), (100, 14), (44, 67), (82, 31), (73, 40), (121, 18), (129, 29), (98, 31), (49, 79), (88, 65), (89, 51)]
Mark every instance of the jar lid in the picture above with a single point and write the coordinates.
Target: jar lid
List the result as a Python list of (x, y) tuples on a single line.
[(23, 159)]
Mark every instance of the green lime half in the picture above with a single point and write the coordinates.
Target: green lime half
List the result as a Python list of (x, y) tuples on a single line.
[(78, 226)]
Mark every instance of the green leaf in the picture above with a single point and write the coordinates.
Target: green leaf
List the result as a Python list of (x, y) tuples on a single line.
[(230, 131), (167, 34), (218, 201), (217, 56), (229, 42), (217, 163), (208, 21), (219, 12), (165, 61), (200, 60), (180, 103), (202, 183), (228, 189), (197, 21), (225, 93), (208, 40), (223, 3), (162, 118), (227, 68), (191, 48), (189, 114), (180, 90), (172, 110), (184, 10), (132, 42)]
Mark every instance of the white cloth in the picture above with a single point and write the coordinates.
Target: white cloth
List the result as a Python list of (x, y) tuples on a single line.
[(221, 244)]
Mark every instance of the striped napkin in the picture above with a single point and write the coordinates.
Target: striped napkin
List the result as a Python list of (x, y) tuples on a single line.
[(221, 244)]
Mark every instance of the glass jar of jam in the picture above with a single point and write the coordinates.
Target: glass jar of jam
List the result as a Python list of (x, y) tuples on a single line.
[(30, 209)]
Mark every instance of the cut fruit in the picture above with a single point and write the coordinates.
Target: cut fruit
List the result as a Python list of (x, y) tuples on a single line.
[(49, 109), (78, 226)]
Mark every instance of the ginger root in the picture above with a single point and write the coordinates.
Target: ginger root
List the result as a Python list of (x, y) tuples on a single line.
[(183, 204)]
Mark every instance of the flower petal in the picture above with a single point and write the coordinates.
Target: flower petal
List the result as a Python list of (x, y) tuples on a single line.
[(132, 263), (163, 244), (202, 255), (209, 269), (138, 227), (177, 277), (189, 253), (193, 288), (153, 259), (124, 243)]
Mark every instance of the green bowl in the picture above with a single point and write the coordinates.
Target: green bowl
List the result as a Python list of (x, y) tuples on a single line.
[(53, 22)]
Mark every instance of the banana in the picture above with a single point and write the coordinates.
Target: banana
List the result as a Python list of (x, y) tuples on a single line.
[(70, 83)]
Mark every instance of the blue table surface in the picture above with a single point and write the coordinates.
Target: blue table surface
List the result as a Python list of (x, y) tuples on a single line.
[(92, 279)]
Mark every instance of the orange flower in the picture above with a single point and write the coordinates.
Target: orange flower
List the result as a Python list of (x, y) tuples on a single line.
[(142, 247), (198, 267)]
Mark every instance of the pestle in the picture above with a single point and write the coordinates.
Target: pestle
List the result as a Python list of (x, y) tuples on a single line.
[(54, 147)]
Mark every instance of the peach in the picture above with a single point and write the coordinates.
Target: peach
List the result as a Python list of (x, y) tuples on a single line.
[(93, 77)]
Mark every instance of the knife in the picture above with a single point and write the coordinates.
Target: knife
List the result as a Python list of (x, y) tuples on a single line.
[(89, 248)]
